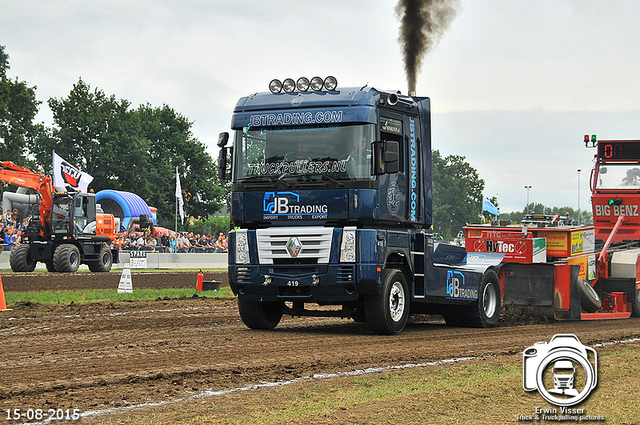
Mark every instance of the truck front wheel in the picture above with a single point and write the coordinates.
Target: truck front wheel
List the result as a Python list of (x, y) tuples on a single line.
[(388, 312), (20, 259), (66, 258), (260, 314)]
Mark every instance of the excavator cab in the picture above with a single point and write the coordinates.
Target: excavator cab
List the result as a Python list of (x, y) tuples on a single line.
[(61, 214), (72, 214)]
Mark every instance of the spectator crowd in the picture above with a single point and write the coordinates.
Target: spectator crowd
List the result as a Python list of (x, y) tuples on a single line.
[(181, 242), (11, 230)]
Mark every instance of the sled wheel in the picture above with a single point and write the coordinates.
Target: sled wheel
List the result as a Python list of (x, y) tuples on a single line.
[(388, 312), (260, 314), (635, 305), (589, 299)]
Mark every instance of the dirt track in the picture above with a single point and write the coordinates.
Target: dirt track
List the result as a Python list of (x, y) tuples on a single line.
[(100, 356)]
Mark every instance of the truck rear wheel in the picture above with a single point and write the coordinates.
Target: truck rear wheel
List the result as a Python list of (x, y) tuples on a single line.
[(20, 259), (66, 258), (260, 314), (388, 312), (104, 262), (489, 301)]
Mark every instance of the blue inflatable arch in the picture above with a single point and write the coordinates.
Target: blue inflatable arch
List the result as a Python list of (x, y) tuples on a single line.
[(123, 204)]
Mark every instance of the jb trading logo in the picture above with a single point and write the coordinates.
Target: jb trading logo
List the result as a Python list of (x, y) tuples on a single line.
[(456, 286), (288, 204), (278, 202), (564, 372)]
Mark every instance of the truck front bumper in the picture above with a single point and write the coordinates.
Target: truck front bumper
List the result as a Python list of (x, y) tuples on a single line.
[(323, 284)]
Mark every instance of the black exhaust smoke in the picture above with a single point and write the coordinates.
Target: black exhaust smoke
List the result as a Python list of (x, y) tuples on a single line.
[(422, 23)]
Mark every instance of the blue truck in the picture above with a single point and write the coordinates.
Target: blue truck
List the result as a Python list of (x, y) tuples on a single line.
[(331, 203)]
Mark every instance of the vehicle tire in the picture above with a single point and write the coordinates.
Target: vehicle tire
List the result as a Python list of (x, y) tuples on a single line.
[(66, 258), (104, 262), (489, 301), (589, 299), (388, 312), (20, 258), (635, 305), (260, 314)]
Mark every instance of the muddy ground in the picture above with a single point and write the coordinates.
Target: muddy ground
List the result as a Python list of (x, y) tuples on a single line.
[(100, 356)]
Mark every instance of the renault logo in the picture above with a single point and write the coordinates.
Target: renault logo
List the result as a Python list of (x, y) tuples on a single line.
[(294, 246)]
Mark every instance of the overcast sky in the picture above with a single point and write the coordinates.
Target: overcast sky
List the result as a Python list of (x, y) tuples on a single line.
[(514, 84)]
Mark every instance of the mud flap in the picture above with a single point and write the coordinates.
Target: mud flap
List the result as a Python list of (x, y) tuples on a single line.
[(566, 298)]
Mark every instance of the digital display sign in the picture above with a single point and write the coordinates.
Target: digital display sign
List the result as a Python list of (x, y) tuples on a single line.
[(627, 149)]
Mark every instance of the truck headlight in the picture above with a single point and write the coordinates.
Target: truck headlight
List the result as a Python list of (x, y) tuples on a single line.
[(242, 247), (348, 245)]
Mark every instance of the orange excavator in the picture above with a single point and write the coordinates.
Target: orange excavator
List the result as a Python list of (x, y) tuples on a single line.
[(66, 231)]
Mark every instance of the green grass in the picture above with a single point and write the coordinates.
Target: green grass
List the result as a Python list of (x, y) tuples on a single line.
[(107, 296)]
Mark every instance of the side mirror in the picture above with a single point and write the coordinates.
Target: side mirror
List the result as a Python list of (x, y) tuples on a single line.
[(391, 157), (222, 155), (387, 157), (223, 139)]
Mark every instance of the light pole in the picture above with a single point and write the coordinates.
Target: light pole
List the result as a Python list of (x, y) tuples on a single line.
[(527, 206), (579, 218)]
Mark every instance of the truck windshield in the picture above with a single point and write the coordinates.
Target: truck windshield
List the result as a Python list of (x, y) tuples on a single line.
[(340, 152), (619, 176)]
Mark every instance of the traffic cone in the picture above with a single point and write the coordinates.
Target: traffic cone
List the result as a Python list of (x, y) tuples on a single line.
[(3, 303)]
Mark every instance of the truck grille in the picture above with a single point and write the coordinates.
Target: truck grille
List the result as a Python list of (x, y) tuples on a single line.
[(304, 245)]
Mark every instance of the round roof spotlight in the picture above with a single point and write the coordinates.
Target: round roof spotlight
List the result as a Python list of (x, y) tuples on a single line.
[(289, 85), (330, 83), (316, 83), (303, 84), (275, 86)]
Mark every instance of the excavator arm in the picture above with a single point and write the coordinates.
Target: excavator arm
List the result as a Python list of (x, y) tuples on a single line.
[(26, 177)]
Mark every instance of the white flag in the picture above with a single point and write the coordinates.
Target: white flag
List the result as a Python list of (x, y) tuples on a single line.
[(179, 196), (65, 174)]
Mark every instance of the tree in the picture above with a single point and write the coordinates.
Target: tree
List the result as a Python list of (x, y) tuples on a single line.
[(133, 150), (457, 194), (586, 216), (18, 108)]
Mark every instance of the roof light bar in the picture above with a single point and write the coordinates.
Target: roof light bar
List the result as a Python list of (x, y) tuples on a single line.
[(289, 85), (275, 86), (316, 83), (330, 83), (303, 84)]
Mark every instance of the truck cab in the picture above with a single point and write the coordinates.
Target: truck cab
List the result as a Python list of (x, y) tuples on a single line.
[(331, 194)]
